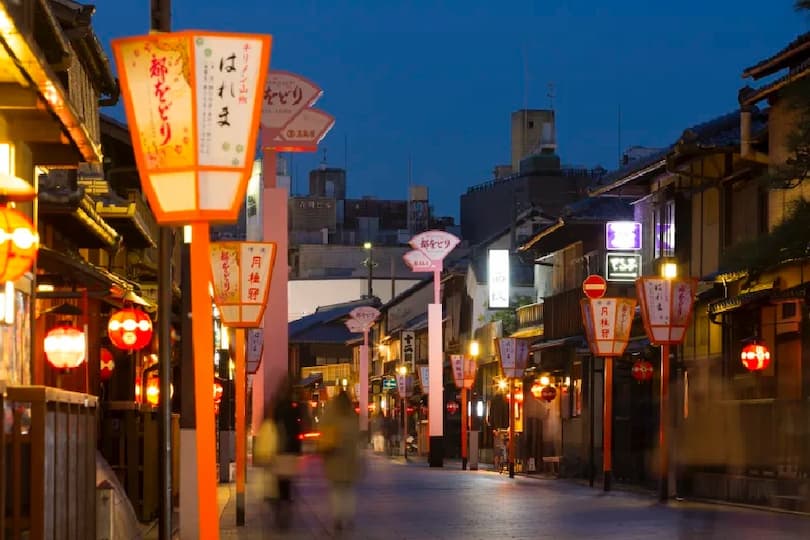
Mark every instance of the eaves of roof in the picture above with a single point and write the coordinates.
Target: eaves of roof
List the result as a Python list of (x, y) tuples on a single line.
[(779, 60)]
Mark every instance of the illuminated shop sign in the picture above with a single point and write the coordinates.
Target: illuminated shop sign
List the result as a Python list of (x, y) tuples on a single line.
[(624, 235), (623, 266)]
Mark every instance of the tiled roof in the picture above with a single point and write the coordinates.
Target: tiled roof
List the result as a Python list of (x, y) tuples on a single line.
[(778, 61), (597, 209), (326, 325)]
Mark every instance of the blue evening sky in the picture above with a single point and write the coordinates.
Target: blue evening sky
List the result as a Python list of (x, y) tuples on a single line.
[(437, 80)]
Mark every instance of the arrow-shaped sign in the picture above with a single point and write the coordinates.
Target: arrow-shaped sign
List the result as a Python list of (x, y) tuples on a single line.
[(285, 95), (304, 132)]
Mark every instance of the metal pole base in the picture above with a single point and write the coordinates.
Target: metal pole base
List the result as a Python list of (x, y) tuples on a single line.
[(511, 469), (607, 480), (436, 454), (463, 464)]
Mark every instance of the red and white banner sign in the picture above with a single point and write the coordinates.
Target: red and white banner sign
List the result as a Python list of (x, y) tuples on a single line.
[(666, 307), (364, 316), (513, 354), (241, 275), (419, 262), (607, 324), (285, 95), (464, 369)]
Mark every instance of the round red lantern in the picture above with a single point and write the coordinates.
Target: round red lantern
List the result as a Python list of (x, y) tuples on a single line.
[(65, 347), (107, 364), (537, 390), (218, 391), (452, 407), (18, 244), (755, 356), (548, 393), (642, 371), (130, 329)]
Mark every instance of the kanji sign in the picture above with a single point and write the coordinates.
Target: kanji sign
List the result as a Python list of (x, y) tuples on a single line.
[(594, 286), (304, 131), (419, 262), (192, 100), (434, 244), (285, 95), (241, 277), (622, 266), (464, 369), (365, 315), (513, 354), (607, 324), (666, 307), (255, 348), (408, 345)]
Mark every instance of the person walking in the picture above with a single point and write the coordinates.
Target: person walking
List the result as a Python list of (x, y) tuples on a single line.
[(287, 419), (340, 434)]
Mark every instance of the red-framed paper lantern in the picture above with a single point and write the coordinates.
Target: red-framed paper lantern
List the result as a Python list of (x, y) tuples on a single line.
[(18, 244), (64, 347), (106, 364), (755, 356), (130, 329), (452, 407), (642, 371), (548, 393)]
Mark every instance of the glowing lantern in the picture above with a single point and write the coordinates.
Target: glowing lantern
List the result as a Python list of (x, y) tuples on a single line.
[(107, 364), (218, 390), (130, 329), (65, 347), (642, 371), (152, 392), (537, 389), (452, 407), (548, 394), (755, 356), (18, 244)]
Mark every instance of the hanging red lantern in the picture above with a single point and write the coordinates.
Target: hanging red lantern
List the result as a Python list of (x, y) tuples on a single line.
[(548, 393), (64, 347), (18, 244), (218, 391), (642, 371), (537, 390), (130, 329), (755, 356), (106, 364)]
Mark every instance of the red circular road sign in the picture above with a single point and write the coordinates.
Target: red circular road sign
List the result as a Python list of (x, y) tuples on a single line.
[(594, 286)]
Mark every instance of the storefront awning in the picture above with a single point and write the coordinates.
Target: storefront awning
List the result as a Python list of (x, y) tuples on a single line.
[(577, 341), (742, 299), (529, 332)]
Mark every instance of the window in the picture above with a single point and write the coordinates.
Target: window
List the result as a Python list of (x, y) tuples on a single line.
[(664, 230)]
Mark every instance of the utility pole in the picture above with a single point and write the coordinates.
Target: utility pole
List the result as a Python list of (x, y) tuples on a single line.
[(160, 19)]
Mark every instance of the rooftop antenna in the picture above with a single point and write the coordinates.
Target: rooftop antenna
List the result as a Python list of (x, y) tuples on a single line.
[(322, 165), (550, 95)]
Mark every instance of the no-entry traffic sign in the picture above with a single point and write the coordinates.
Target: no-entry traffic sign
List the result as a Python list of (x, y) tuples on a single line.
[(594, 286)]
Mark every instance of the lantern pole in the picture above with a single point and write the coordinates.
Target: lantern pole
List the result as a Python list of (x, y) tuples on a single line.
[(241, 437), (511, 427), (663, 425), (202, 328), (160, 17), (607, 432)]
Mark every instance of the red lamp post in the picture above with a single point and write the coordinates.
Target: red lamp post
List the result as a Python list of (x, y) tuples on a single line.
[(130, 329)]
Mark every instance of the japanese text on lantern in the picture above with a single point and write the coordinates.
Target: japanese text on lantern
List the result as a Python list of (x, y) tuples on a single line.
[(226, 275), (658, 301), (229, 70), (255, 262), (606, 316), (158, 71)]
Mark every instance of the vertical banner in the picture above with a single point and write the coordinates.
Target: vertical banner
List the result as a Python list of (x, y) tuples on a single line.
[(408, 352)]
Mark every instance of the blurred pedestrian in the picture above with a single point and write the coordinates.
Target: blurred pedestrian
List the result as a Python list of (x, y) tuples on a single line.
[(286, 416), (340, 435)]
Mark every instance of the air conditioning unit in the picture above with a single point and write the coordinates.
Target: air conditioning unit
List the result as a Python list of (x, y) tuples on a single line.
[(788, 317)]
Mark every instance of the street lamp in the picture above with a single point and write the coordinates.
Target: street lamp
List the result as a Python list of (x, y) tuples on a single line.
[(369, 262)]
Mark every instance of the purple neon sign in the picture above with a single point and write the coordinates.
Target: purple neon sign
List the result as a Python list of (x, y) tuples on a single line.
[(623, 235)]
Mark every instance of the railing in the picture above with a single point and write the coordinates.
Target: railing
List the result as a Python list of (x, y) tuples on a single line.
[(562, 315), (48, 459), (530, 315)]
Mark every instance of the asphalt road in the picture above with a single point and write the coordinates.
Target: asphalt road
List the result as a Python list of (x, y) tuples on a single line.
[(412, 501)]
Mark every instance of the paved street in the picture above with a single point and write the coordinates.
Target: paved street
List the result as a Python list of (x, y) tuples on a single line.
[(411, 501)]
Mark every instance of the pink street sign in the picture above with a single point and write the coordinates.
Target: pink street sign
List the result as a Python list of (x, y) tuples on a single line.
[(419, 262), (285, 95), (434, 244), (355, 326), (303, 132), (365, 315)]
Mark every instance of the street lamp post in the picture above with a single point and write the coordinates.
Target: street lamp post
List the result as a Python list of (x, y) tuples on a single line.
[(369, 262)]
